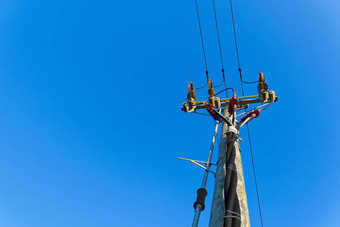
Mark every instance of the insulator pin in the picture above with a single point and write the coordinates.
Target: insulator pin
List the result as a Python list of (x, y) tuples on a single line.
[(253, 114), (210, 108), (211, 92), (233, 102), (262, 88), (191, 96), (189, 106)]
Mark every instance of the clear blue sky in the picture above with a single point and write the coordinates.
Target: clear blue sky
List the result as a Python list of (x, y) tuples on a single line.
[(90, 120)]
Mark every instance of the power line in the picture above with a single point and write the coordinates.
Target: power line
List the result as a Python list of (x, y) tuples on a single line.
[(219, 45), (253, 163), (237, 55), (200, 28), (197, 88), (249, 139)]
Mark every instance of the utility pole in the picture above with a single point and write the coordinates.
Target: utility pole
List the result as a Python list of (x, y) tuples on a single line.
[(218, 209), (229, 205)]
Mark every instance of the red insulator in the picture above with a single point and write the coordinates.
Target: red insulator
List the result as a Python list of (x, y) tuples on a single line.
[(253, 113), (210, 108), (233, 102)]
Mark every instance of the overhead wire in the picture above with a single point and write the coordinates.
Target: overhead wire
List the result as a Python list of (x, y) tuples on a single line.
[(236, 46), (220, 48), (229, 88), (255, 178), (197, 88), (248, 130), (223, 82), (200, 28)]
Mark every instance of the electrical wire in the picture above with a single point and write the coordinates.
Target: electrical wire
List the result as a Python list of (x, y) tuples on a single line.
[(201, 87), (220, 48), (223, 82), (200, 28), (229, 88), (248, 130), (255, 178), (236, 47)]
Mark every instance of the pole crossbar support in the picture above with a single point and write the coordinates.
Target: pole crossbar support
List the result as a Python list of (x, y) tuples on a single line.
[(244, 101), (196, 162), (186, 159)]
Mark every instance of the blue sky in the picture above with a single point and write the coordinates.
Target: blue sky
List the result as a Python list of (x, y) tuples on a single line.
[(90, 119)]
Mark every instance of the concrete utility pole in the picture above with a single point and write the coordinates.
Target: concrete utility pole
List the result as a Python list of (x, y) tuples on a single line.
[(217, 214), (229, 205)]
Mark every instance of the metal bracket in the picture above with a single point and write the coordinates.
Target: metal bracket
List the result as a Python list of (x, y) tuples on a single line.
[(243, 102), (196, 162)]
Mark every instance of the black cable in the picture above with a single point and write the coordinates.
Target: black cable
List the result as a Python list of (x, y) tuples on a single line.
[(253, 163), (218, 35), (199, 25), (219, 46), (223, 91), (237, 55), (223, 82), (201, 87), (248, 130)]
